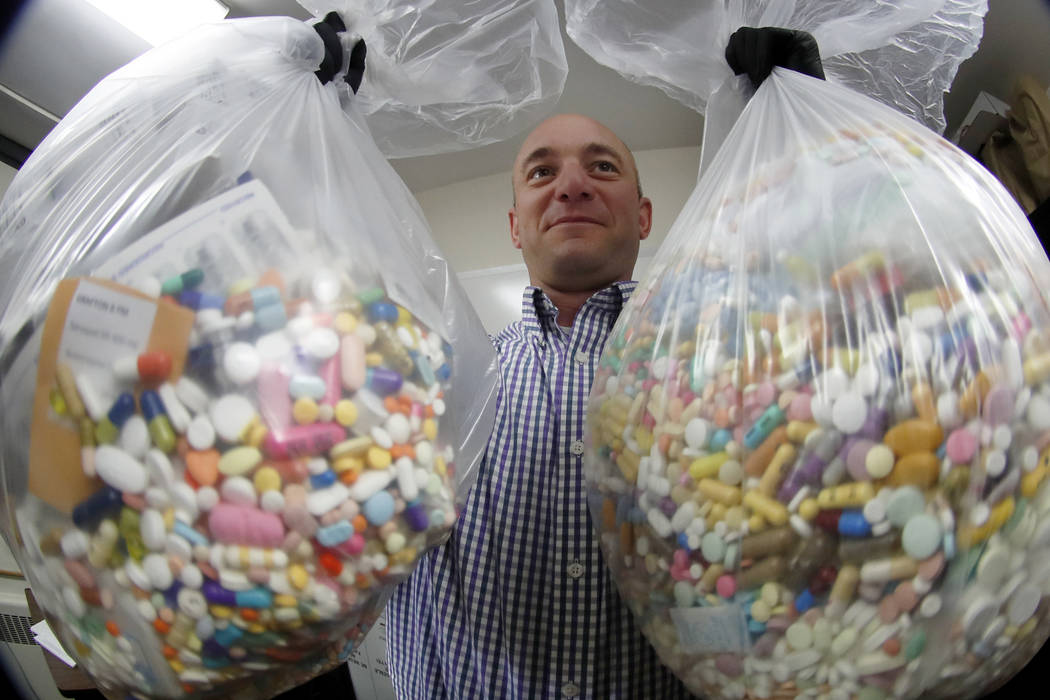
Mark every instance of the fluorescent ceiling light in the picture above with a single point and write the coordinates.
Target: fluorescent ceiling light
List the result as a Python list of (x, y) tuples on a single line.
[(157, 21)]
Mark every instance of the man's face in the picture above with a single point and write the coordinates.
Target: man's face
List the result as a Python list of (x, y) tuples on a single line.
[(577, 217)]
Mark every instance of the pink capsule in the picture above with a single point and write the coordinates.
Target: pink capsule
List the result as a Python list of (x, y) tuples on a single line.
[(237, 524), (259, 575), (80, 573), (353, 546), (352, 362), (291, 541), (330, 374), (274, 399), (303, 440)]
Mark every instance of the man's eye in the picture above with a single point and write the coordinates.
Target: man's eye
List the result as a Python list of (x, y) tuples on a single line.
[(605, 166), (539, 171)]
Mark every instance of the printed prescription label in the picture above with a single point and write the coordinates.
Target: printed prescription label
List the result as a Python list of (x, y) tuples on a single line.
[(90, 324), (711, 630)]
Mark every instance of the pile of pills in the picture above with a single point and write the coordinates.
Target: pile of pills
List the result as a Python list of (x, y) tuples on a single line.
[(829, 484), (253, 512)]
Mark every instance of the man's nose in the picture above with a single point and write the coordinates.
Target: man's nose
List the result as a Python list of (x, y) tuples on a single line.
[(573, 183)]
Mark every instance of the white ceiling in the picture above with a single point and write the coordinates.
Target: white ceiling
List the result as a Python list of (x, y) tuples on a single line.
[(37, 81)]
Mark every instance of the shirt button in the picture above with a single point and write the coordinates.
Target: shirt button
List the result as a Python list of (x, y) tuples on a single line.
[(581, 357), (570, 690), (577, 447), (575, 569)]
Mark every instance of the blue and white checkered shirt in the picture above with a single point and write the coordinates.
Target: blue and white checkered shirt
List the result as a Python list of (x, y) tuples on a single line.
[(519, 602)]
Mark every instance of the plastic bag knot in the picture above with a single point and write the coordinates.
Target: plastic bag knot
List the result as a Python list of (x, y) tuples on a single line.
[(329, 29)]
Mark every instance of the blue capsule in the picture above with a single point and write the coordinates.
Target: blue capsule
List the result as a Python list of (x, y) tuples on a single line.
[(769, 420), (265, 296), (382, 311), (271, 317), (91, 511), (188, 533), (254, 598), (152, 406), (852, 523), (215, 662), (423, 368), (195, 300), (228, 635), (122, 409), (325, 478), (719, 440), (804, 601), (335, 534)]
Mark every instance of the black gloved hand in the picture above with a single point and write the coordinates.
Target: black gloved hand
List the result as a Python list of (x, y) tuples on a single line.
[(755, 51)]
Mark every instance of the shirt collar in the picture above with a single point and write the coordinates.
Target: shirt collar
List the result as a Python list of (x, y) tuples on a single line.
[(538, 311)]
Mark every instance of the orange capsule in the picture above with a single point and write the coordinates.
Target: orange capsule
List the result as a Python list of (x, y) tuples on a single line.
[(169, 652), (248, 614), (892, 646), (349, 476), (203, 466), (390, 404), (360, 523), (161, 626)]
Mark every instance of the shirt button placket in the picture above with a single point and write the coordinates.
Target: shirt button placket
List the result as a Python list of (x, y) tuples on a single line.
[(575, 569), (581, 357), (576, 447), (570, 690)]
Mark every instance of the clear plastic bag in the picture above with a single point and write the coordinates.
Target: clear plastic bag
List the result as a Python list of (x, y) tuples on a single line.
[(445, 75), (244, 391), (819, 438), (903, 53)]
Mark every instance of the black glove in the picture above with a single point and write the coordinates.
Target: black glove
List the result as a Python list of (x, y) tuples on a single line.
[(755, 51)]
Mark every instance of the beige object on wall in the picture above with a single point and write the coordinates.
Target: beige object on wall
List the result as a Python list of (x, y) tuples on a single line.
[(1020, 155)]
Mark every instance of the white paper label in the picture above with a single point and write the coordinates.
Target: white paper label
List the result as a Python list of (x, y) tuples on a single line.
[(103, 325), (711, 630)]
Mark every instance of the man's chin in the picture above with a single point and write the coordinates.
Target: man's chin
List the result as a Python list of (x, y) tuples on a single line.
[(584, 273)]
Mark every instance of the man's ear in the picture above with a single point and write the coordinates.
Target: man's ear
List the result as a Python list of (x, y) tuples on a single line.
[(513, 216), (645, 217)]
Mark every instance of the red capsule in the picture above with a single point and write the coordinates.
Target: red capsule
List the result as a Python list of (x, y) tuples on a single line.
[(154, 366), (331, 563), (822, 580), (828, 520)]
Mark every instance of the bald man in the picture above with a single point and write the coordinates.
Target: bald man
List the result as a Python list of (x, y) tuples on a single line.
[(519, 603)]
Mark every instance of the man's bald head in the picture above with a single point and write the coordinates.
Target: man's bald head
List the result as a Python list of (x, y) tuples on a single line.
[(530, 148)]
